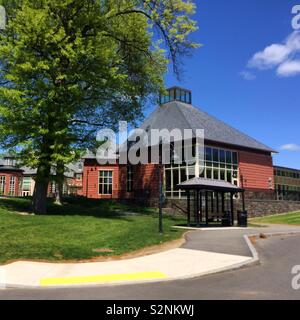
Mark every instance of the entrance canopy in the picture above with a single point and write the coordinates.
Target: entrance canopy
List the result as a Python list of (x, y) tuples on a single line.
[(209, 185), (207, 194)]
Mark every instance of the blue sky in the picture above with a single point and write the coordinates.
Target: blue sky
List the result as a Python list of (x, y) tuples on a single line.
[(267, 105)]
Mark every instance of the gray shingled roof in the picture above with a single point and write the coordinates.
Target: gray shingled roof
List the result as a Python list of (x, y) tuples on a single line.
[(176, 114), (209, 184), (70, 169)]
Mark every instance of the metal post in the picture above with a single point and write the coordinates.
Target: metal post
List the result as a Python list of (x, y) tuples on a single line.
[(223, 202), (232, 208), (201, 213), (160, 223), (188, 208), (197, 208), (206, 207), (243, 199)]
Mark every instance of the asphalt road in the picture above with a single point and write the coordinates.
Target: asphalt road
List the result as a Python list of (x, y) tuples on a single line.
[(271, 279)]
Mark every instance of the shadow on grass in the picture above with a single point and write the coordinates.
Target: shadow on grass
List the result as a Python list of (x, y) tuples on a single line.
[(16, 204), (79, 207)]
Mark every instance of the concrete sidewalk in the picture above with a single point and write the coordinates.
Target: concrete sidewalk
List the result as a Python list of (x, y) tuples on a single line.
[(203, 253)]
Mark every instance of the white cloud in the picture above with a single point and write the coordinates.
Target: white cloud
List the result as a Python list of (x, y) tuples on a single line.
[(293, 41), (282, 56), (289, 68), (290, 147), (271, 56), (247, 75)]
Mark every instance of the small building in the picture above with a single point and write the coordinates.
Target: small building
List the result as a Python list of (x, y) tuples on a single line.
[(230, 156), (10, 177), (287, 183), (16, 181), (72, 184)]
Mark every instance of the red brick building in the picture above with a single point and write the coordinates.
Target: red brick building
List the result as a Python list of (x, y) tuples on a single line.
[(18, 181), (230, 155), (10, 177)]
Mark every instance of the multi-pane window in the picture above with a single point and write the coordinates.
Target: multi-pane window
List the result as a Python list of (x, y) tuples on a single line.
[(129, 179), (280, 187), (219, 164), (287, 174), (12, 185), (26, 184), (52, 187), (2, 184), (105, 182), (178, 94)]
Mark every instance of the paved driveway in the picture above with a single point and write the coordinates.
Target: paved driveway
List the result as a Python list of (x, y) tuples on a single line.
[(271, 279), (227, 241)]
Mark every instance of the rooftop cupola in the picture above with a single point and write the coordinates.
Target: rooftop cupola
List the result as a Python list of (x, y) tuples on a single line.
[(176, 94), (9, 160)]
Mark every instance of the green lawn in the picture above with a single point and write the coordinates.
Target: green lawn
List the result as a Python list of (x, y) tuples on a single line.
[(76, 229), (289, 218)]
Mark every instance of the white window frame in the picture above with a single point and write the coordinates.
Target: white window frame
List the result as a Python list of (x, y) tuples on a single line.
[(28, 179), (12, 185), (2, 184), (107, 184), (214, 166)]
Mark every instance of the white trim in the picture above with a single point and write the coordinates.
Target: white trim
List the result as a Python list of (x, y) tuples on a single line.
[(112, 182)]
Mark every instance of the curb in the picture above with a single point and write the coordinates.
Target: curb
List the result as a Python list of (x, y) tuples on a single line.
[(252, 261)]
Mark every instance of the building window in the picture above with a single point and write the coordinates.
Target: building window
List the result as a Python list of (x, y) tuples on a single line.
[(219, 164), (105, 182), (12, 184), (176, 94), (2, 184), (129, 179), (52, 187), (26, 184)]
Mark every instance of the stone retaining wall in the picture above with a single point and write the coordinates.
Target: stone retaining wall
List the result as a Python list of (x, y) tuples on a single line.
[(255, 208), (259, 208)]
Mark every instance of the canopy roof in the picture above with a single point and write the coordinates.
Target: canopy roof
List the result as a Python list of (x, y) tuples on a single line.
[(209, 185)]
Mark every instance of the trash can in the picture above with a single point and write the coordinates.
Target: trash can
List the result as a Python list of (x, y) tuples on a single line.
[(242, 217), (226, 219)]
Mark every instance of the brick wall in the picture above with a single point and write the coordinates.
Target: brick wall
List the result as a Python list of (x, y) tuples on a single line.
[(91, 180), (256, 170), (145, 181), (7, 175)]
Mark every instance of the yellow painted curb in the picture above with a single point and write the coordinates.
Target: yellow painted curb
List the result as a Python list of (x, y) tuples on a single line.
[(103, 278)]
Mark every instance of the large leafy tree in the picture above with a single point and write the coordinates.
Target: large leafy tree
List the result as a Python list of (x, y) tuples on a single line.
[(70, 66)]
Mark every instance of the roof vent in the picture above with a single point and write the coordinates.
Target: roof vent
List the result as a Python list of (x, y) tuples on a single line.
[(176, 94)]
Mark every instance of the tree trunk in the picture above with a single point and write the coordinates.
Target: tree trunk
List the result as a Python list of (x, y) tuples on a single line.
[(59, 183), (39, 201)]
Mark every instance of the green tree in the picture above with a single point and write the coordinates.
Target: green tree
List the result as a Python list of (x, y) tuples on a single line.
[(68, 67)]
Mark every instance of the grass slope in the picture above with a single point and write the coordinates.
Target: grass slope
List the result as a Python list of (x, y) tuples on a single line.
[(289, 218), (76, 229)]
